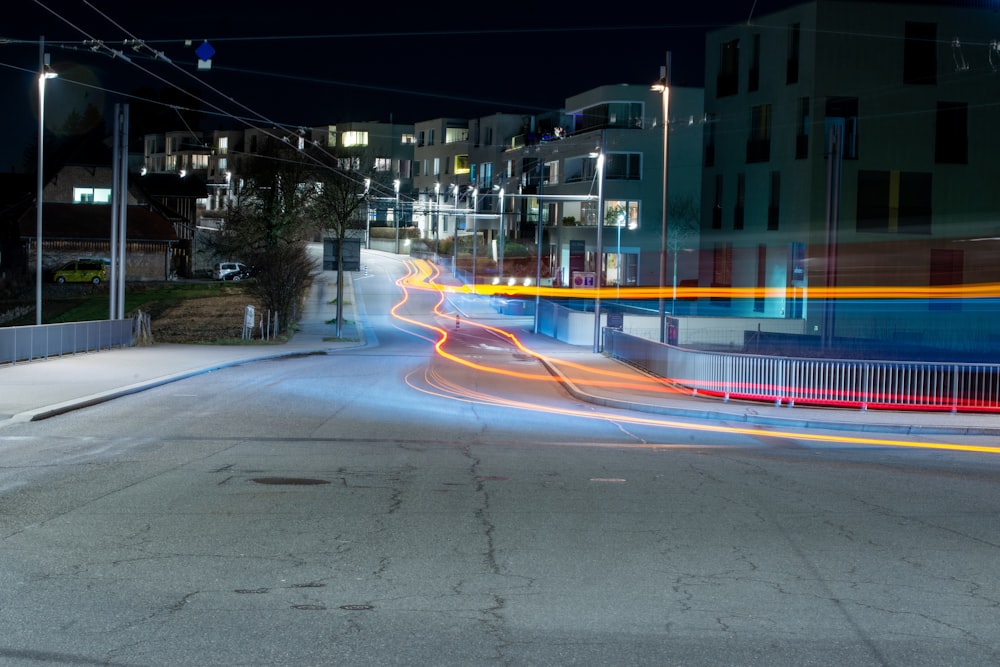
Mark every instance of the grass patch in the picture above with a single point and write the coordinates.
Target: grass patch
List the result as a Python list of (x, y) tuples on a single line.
[(72, 303)]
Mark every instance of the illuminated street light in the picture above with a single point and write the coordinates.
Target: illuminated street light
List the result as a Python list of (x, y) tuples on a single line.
[(395, 213), (500, 241), (454, 266), (437, 219), (45, 72), (600, 249), (475, 233), (368, 214), (663, 86)]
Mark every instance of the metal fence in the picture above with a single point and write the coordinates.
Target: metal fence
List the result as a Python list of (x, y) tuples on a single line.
[(26, 343), (955, 387)]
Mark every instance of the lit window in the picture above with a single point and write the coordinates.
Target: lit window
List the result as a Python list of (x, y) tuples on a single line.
[(621, 213), (354, 138), (408, 139), (91, 195)]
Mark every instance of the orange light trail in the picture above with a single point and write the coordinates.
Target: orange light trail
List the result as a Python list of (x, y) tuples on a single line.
[(422, 280), (421, 273)]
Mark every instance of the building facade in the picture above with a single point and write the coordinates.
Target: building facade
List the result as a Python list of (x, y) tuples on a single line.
[(850, 144)]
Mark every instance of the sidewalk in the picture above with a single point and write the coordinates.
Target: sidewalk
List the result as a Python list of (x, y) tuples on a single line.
[(43, 388)]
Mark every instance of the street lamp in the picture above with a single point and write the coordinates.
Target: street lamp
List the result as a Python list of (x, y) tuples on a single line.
[(45, 72), (663, 86), (395, 213), (454, 266), (500, 241), (437, 219), (600, 249), (475, 233), (368, 214)]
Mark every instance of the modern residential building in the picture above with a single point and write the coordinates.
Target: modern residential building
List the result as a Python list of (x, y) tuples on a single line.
[(383, 151), (562, 180), (852, 144), (441, 167)]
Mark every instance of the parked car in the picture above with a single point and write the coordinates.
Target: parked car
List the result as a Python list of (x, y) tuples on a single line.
[(224, 269), (81, 271), (243, 274)]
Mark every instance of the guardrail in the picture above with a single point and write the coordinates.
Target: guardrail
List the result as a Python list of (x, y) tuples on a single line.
[(27, 343), (854, 383)]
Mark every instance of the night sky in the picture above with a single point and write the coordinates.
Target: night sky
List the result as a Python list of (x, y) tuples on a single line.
[(293, 64)]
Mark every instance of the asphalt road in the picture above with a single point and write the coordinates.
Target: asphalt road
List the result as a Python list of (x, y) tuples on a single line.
[(389, 506)]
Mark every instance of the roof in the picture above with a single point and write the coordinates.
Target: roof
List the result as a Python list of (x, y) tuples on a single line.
[(89, 222)]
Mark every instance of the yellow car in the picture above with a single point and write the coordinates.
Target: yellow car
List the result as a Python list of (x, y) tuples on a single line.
[(81, 271)]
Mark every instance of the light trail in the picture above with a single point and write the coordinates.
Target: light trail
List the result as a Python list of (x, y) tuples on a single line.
[(864, 292), (420, 274)]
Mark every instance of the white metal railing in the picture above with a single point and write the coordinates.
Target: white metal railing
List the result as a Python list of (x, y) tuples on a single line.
[(955, 387), (26, 343)]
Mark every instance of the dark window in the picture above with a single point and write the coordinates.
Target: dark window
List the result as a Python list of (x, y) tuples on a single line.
[(792, 65), (951, 139), (774, 201), (894, 202), (727, 82), (920, 53), (846, 108), (753, 82), (759, 143), (802, 132), (739, 211), (622, 167)]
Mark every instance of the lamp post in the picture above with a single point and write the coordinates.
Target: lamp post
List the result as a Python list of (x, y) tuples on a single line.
[(454, 266), (368, 214), (437, 219), (663, 86), (501, 239), (44, 72), (600, 249), (395, 213), (475, 233)]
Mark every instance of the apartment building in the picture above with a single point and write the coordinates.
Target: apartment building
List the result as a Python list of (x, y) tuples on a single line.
[(562, 182), (851, 144)]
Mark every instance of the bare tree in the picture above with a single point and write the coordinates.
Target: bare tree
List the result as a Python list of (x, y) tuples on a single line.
[(269, 225), (340, 206)]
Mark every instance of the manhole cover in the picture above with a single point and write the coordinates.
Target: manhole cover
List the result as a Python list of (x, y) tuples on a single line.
[(290, 481), (357, 607)]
